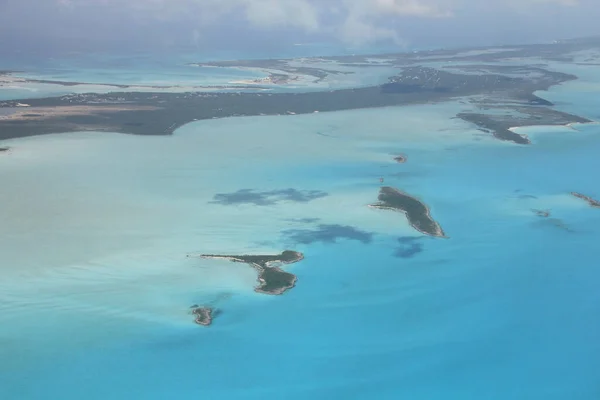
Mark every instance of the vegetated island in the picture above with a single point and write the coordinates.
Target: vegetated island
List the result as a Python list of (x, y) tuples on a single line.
[(401, 159), (203, 315), (417, 213), (271, 278), (592, 202), (4, 149)]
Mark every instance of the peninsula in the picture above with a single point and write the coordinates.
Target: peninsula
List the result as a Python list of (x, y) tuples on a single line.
[(271, 278), (592, 202), (416, 212)]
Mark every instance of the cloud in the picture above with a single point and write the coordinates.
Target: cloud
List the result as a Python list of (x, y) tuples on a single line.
[(256, 23), (355, 21)]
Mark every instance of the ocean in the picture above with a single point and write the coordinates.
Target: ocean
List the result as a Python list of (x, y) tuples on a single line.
[(96, 284)]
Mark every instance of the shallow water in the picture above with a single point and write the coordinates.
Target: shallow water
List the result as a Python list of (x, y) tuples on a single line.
[(174, 73), (96, 284)]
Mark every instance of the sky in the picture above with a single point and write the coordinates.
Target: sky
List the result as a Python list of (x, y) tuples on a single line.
[(262, 25)]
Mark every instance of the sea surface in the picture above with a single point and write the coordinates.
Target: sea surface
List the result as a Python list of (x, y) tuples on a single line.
[(96, 282)]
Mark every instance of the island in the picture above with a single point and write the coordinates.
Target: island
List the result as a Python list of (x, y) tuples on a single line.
[(592, 202), (4, 149), (271, 278), (541, 213), (401, 159), (418, 214), (203, 315)]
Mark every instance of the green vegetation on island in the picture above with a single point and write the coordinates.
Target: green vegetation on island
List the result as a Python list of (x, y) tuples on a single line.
[(416, 212), (271, 278), (202, 315)]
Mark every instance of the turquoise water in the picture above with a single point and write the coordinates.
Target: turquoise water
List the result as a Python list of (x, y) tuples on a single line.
[(96, 284)]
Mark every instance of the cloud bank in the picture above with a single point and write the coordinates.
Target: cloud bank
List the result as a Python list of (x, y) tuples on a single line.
[(358, 22)]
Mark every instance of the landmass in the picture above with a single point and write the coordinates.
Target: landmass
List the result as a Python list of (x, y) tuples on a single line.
[(592, 202), (4, 149), (416, 212), (271, 278), (401, 159), (497, 96), (203, 315)]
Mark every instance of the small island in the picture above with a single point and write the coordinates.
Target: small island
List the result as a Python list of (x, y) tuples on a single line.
[(4, 149), (592, 202), (541, 213), (401, 159), (271, 278), (203, 315), (417, 213)]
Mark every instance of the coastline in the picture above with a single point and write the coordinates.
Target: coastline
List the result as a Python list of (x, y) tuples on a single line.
[(416, 82)]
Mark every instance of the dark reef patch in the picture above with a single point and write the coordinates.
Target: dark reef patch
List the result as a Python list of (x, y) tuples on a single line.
[(269, 198), (527, 196), (409, 247), (326, 233), (305, 220), (552, 223)]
